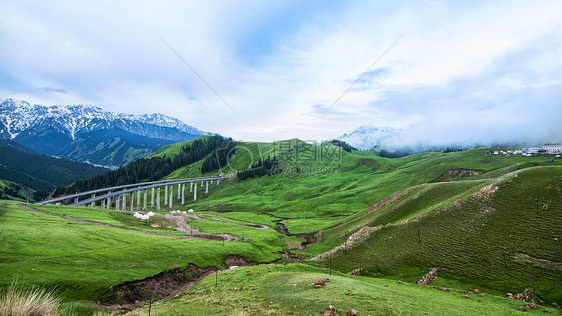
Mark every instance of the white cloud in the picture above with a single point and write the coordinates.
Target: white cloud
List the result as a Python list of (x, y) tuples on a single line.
[(281, 64)]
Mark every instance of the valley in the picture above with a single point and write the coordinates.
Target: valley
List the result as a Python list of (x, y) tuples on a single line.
[(491, 223)]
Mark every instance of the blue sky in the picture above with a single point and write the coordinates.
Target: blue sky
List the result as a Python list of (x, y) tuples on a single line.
[(461, 70)]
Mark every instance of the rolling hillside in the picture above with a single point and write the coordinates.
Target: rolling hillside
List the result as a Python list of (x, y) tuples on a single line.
[(486, 222), (40, 172)]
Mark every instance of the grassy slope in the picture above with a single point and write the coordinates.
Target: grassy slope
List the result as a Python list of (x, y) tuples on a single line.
[(85, 260), (363, 179), (483, 238), (174, 149), (4, 184), (305, 203), (277, 290)]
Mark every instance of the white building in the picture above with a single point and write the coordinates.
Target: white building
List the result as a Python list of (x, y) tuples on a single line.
[(553, 148), (546, 149)]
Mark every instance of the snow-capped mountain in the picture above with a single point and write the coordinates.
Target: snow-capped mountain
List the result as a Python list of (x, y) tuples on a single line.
[(18, 116), (70, 131), (369, 137)]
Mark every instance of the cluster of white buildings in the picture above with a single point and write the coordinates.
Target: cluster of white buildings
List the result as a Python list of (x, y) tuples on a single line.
[(546, 149)]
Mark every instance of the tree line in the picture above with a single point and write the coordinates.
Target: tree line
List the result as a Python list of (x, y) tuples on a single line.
[(261, 168), (345, 146), (156, 168)]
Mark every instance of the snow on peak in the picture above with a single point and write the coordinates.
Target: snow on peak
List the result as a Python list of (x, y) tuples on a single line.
[(368, 137), (18, 115)]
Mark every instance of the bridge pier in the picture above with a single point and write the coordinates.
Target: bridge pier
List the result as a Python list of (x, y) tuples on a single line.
[(132, 201), (145, 197), (183, 194), (158, 198), (152, 198), (190, 186), (117, 199), (171, 195), (76, 200), (124, 206), (201, 183), (195, 192), (108, 203), (102, 206), (179, 187), (138, 199), (207, 187), (166, 195), (93, 204)]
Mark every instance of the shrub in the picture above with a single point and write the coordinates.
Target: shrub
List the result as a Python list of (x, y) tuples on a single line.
[(19, 301)]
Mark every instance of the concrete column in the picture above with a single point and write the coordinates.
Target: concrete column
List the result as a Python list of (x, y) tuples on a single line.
[(102, 206), (166, 195), (76, 200), (138, 199), (207, 187), (190, 186), (145, 198), (132, 201), (93, 204), (195, 192), (158, 198), (183, 194), (171, 195), (117, 199), (152, 198), (108, 202), (124, 202), (201, 183), (179, 187)]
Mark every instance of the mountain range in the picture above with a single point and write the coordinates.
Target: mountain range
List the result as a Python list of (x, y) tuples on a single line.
[(39, 174), (371, 137), (88, 133)]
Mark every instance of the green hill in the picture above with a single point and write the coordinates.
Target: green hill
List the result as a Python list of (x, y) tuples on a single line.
[(471, 215), (502, 234), (40, 172)]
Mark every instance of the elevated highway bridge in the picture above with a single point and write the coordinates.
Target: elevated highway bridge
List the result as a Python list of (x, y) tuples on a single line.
[(117, 196)]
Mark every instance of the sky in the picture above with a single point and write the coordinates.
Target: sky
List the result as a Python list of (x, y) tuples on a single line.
[(443, 71)]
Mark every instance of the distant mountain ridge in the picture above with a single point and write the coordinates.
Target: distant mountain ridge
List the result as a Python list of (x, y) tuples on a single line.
[(40, 172), (89, 133), (371, 137)]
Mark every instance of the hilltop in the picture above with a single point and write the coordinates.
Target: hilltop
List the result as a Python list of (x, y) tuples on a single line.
[(39, 174), (471, 215)]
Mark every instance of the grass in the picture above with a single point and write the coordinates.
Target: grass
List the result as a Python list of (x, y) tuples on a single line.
[(498, 243), (174, 149), (498, 240), (363, 180), (19, 301), (85, 260), (276, 290)]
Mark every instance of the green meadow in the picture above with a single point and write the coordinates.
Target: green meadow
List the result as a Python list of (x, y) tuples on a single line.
[(493, 223)]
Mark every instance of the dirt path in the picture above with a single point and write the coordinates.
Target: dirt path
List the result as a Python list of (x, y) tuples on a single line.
[(183, 227), (245, 224), (202, 236)]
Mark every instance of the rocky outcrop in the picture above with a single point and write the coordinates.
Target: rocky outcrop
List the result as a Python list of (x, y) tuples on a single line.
[(429, 277)]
